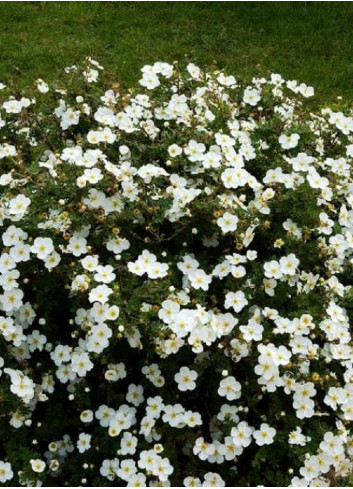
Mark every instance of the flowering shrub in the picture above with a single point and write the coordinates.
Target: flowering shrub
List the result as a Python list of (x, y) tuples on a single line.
[(175, 283)]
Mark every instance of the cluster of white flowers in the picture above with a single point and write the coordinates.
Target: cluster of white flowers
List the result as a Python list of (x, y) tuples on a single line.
[(175, 273)]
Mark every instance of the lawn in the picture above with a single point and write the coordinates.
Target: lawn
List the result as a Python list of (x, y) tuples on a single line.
[(308, 41)]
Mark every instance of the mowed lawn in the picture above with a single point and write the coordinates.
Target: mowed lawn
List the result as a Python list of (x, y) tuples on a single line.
[(307, 41)]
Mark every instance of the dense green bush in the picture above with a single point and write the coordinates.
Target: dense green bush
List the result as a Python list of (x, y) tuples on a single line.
[(175, 283)]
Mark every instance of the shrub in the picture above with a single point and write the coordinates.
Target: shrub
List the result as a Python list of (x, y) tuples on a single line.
[(175, 282)]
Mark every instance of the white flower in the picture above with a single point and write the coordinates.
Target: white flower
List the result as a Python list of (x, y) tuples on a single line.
[(174, 150), (331, 444), (316, 180), (195, 151), (147, 172), (228, 222), (12, 106), (236, 300), (93, 175), (252, 331), (42, 86), (157, 270), (100, 294), (168, 310), (289, 142), (11, 300), (84, 442), (128, 444), (200, 280), (213, 480), (185, 379), (273, 269), (228, 81), (310, 470), (135, 394), (19, 205), (288, 264), (251, 96), (234, 178), (13, 236), (265, 435), (90, 263), (69, 118), (104, 274), (194, 70), (6, 472), (191, 481), (229, 388), (37, 465), (52, 260), (150, 81), (242, 434), (77, 246), (42, 247), (301, 162), (94, 137), (224, 140), (281, 355), (188, 265), (296, 437), (81, 364), (304, 408), (86, 416), (112, 313), (36, 341)]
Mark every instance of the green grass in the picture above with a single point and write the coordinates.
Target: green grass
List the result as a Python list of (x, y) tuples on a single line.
[(308, 41)]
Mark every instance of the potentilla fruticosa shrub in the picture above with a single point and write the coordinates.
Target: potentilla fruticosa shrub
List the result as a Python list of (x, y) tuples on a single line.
[(175, 288)]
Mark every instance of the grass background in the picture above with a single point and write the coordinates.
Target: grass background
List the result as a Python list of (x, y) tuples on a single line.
[(307, 41)]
